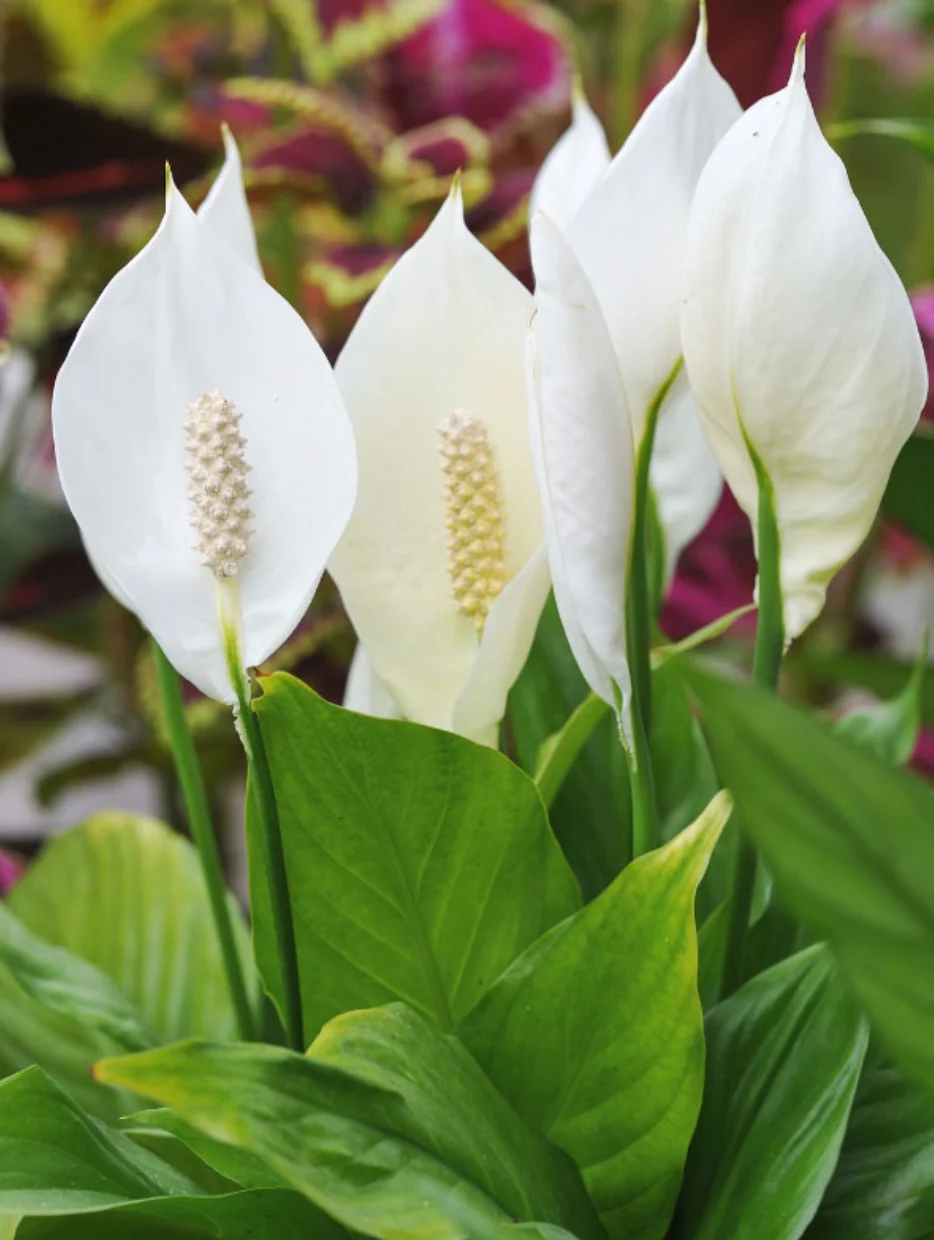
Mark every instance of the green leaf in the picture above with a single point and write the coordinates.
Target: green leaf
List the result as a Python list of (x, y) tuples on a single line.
[(883, 1187), (560, 751), (58, 1160), (890, 729), (700, 637), (783, 1059), (884, 677), (279, 1214), (68, 985), (386, 1124), (233, 1164), (125, 893), (907, 496), (850, 844), (595, 1034), (590, 813), (916, 134), (420, 865)]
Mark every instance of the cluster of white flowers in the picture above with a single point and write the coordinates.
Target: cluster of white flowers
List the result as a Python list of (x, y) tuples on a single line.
[(718, 273)]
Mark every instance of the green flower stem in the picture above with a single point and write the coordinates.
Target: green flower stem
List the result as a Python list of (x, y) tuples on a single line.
[(639, 636), (199, 818), (767, 659), (642, 786), (267, 817)]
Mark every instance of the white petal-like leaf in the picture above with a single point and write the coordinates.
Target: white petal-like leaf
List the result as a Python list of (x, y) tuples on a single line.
[(583, 451), (630, 234), (571, 168), (796, 325), (186, 317), (365, 692), (225, 209)]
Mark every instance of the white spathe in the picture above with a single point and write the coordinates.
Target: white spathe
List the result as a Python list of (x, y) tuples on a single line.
[(364, 692), (572, 167), (443, 335), (606, 343), (630, 235), (186, 317), (798, 332), (226, 212), (583, 451)]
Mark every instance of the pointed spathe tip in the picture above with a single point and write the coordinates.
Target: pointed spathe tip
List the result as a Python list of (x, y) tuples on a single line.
[(578, 95), (455, 193), (701, 40), (169, 185), (797, 69)]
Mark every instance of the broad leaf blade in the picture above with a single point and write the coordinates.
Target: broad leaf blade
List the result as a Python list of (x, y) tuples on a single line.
[(850, 843), (596, 1035), (126, 894), (58, 1160), (278, 1213), (883, 1187), (69, 986), (420, 865), (386, 1123), (783, 1060)]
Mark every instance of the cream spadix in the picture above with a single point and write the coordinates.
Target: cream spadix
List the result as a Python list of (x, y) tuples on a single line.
[(799, 340), (204, 450)]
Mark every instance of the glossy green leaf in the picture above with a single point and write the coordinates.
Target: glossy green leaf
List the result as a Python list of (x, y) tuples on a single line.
[(63, 983), (278, 1213), (386, 1124), (596, 1037), (890, 729), (58, 1160), (850, 843), (590, 813), (907, 496), (420, 865), (126, 894), (883, 1187), (783, 1059)]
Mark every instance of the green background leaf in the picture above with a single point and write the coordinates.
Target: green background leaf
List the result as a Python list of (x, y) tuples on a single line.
[(908, 494), (419, 864), (125, 893), (883, 1187), (783, 1060), (386, 1123), (596, 1036), (850, 844)]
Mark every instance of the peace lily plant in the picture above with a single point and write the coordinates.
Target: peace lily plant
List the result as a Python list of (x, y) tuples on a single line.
[(477, 997)]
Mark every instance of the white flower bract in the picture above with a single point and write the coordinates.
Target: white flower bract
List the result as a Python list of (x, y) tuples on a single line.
[(186, 319), (798, 335)]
